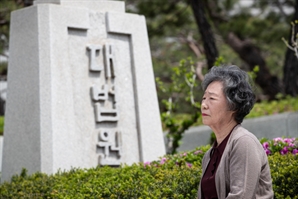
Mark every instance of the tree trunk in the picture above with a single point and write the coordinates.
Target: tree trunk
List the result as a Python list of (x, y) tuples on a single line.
[(290, 79), (252, 56), (28, 3), (204, 27)]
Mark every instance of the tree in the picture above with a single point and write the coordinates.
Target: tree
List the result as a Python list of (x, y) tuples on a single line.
[(290, 79), (250, 36), (247, 51)]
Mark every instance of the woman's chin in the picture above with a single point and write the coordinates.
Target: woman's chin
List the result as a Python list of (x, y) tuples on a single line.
[(205, 122)]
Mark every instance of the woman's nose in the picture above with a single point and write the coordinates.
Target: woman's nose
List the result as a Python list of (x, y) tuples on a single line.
[(204, 106)]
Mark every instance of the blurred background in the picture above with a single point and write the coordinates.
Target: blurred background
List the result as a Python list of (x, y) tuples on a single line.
[(188, 37)]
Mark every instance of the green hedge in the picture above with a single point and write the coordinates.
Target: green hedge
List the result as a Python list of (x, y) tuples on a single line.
[(288, 104), (284, 173), (173, 176)]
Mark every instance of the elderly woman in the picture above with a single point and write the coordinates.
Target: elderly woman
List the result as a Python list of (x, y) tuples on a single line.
[(237, 165)]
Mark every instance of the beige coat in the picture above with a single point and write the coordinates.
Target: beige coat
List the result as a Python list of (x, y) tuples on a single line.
[(243, 171)]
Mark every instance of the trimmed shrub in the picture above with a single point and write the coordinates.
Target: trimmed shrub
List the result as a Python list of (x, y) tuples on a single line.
[(172, 176), (284, 173)]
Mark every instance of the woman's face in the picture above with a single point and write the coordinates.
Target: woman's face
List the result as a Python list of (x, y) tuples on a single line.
[(214, 107)]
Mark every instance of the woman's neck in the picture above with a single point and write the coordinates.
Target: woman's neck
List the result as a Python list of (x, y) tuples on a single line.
[(224, 130)]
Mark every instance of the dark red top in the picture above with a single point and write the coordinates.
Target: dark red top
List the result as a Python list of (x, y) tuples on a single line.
[(208, 181)]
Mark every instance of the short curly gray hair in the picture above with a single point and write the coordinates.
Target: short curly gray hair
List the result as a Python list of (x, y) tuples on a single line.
[(236, 88)]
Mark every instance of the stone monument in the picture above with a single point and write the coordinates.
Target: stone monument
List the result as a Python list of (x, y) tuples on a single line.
[(81, 89)]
